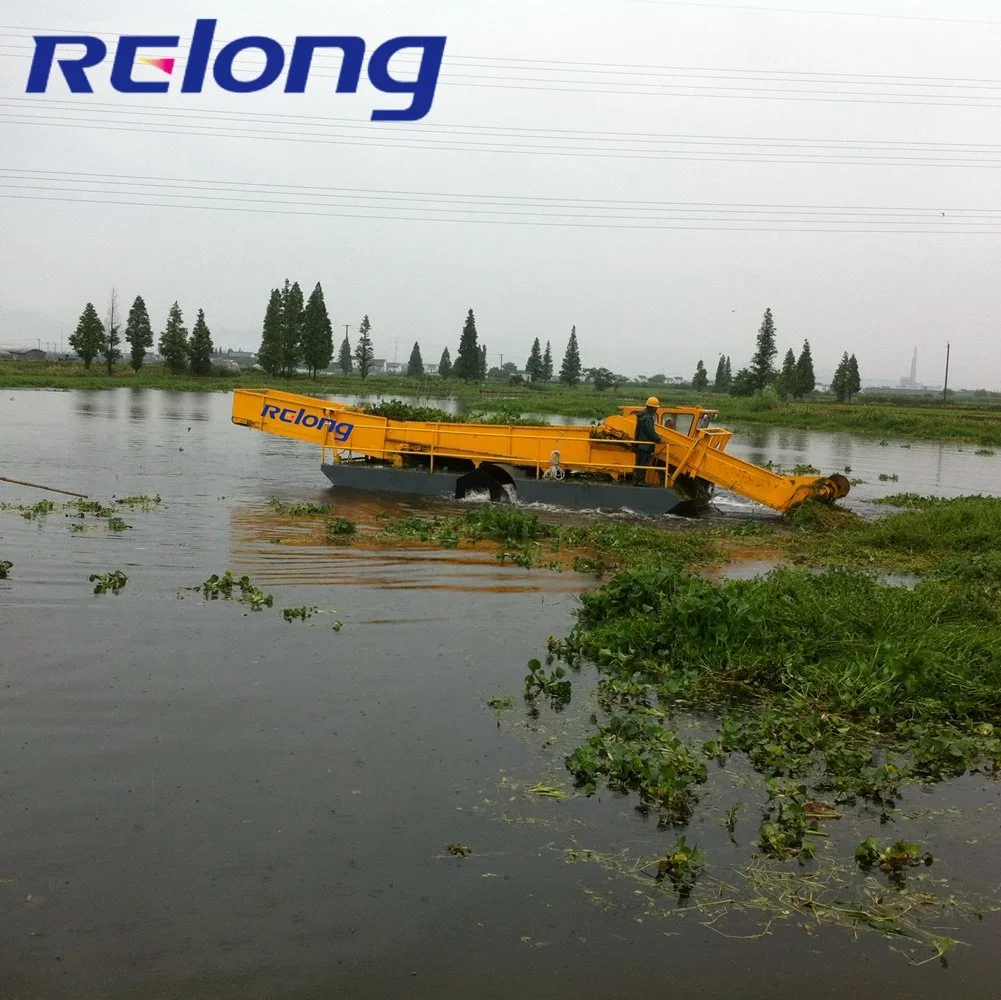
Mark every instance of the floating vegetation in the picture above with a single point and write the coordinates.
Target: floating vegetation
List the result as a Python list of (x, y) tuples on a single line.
[(144, 502), (554, 686), (117, 524), (291, 614), (5, 567), (105, 582), (338, 527), (787, 822), (892, 860), (222, 586), (31, 511), (546, 791), (888, 477), (827, 893), (985, 451), (501, 704), (459, 850), (300, 509), (682, 865)]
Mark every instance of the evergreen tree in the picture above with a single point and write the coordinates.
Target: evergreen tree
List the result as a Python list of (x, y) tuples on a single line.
[(719, 382), (344, 361), (570, 369), (743, 383), (806, 382), (174, 342), (317, 334), (854, 379), (111, 339), (533, 367), (467, 361), (481, 368), (785, 381), (547, 364), (364, 351), (138, 333), (762, 369), (89, 335), (701, 378), (269, 356), (729, 373), (200, 347), (293, 322), (415, 366), (839, 384), (445, 364)]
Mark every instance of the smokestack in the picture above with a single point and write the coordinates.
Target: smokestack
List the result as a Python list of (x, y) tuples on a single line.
[(914, 368)]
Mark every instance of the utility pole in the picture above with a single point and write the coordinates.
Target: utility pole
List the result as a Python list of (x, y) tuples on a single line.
[(945, 387)]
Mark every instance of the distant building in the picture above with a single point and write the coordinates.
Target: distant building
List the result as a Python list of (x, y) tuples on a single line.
[(30, 354)]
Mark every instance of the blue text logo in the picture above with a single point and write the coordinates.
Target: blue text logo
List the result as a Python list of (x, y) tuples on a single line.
[(341, 431), (296, 67)]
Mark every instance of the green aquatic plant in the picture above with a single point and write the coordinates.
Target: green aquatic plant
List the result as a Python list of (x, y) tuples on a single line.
[(893, 860), (104, 582), (787, 824), (291, 614), (5, 567), (222, 586), (888, 477), (299, 509), (338, 527), (554, 686)]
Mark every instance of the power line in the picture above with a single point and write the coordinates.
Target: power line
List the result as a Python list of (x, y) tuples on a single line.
[(792, 151), (682, 223), (825, 13)]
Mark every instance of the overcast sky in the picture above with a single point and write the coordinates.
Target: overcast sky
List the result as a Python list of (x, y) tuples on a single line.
[(618, 165)]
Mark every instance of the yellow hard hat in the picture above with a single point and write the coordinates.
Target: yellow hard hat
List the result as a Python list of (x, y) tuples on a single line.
[(653, 401)]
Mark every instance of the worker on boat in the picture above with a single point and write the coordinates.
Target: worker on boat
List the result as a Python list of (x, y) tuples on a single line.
[(646, 435)]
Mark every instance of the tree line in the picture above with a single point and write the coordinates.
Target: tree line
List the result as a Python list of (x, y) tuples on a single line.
[(181, 352), (795, 379), (470, 363)]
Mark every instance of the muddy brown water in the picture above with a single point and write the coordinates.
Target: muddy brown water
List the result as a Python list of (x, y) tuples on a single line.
[(198, 800)]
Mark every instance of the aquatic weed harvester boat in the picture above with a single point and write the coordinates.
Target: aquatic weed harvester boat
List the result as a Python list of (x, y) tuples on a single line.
[(571, 466)]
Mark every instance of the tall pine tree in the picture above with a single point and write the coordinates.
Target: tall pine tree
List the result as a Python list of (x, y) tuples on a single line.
[(547, 364), (112, 338), (200, 346), (89, 335), (344, 359), (719, 382), (481, 368), (293, 318), (174, 342), (570, 369), (467, 361), (415, 366), (138, 333), (785, 381), (854, 379), (364, 351), (317, 334), (839, 384), (701, 377), (445, 364), (269, 356), (533, 367), (806, 381), (729, 373), (761, 368)]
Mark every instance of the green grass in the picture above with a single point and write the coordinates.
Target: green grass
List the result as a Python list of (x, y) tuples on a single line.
[(973, 419)]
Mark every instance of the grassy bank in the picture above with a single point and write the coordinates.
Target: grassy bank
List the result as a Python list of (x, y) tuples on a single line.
[(962, 422)]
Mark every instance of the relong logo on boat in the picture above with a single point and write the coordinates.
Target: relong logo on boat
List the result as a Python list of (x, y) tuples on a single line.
[(300, 418)]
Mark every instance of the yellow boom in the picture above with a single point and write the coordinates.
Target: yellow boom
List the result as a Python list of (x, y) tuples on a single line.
[(689, 456)]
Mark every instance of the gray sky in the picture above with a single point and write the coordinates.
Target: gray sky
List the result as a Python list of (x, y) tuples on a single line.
[(731, 120)]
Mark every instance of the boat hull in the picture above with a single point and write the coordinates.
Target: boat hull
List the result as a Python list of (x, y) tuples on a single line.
[(575, 494)]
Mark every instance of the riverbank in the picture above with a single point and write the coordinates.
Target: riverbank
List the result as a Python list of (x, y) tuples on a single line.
[(962, 422)]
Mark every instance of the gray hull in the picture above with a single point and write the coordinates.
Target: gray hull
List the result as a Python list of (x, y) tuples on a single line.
[(566, 493)]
